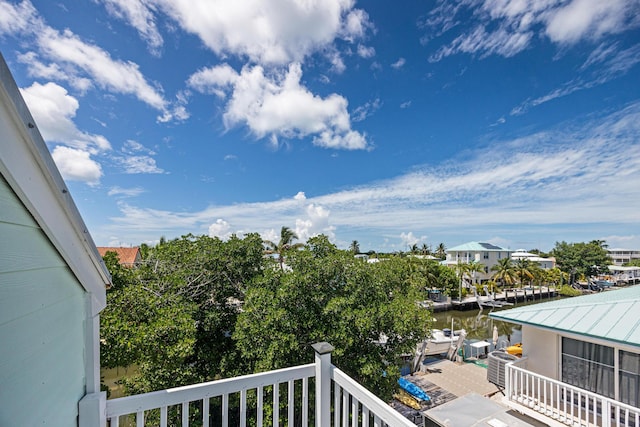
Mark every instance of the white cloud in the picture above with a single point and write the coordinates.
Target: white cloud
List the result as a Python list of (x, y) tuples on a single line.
[(140, 15), (590, 19), (611, 64), (138, 164), (114, 75), (366, 51), (272, 32), (220, 229), (408, 239), (399, 63), (16, 18), (278, 106), (125, 192), (76, 165), (531, 187), (364, 111), (53, 110), (405, 104), (80, 63), (507, 27)]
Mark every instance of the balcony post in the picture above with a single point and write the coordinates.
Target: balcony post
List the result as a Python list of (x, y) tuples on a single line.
[(323, 383), (92, 410)]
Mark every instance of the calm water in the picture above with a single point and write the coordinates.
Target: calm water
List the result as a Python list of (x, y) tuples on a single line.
[(479, 325)]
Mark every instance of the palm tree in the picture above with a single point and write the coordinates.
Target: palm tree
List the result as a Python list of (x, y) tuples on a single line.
[(474, 267), (504, 271), (426, 250), (355, 247), (441, 251), (524, 270), (414, 249), (287, 236), (462, 268)]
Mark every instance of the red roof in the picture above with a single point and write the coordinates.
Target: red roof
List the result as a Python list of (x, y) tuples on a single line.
[(127, 256)]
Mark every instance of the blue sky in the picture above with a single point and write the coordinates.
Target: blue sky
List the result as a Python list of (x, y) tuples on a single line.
[(515, 122)]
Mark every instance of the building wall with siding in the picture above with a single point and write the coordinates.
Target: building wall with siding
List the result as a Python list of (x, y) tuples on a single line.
[(42, 324), (542, 350)]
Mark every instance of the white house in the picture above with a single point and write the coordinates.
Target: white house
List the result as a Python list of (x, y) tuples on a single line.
[(52, 281), (544, 263), (581, 359), (622, 256), (486, 254), (52, 289)]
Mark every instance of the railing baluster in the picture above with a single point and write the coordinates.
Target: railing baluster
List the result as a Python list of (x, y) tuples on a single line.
[(290, 402), (225, 410), (243, 408), (376, 421), (305, 401), (544, 396), (185, 414), (365, 416), (260, 408), (580, 407), (276, 404), (354, 412), (140, 419), (205, 412), (115, 422), (345, 408), (337, 392), (163, 416)]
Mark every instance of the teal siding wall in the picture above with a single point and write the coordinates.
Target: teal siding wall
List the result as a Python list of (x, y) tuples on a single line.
[(42, 312)]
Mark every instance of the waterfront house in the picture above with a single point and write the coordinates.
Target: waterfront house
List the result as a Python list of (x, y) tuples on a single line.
[(127, 257), (486, 254), (622, 256), (581, 359), (52, 289), (542, 262)]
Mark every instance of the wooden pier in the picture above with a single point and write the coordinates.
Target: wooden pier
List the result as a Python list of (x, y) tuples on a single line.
[(506, 297)]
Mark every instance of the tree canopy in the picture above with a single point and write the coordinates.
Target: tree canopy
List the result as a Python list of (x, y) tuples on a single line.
[(583, 259), (200, 309)]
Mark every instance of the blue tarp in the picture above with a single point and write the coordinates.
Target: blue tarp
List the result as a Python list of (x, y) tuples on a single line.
[(413, 389)]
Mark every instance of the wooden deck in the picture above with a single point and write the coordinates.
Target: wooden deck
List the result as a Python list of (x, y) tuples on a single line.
[(444, 381)]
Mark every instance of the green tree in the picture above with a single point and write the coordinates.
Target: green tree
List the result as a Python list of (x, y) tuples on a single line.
[(581, 259), (330, 296), (176, 317), (425, 250), (524, 270), (287, 236), (355, 247), (504, 272), (441, 251), (557, 276)]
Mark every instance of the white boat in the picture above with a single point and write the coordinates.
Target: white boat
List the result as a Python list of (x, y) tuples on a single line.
[(439, 342)]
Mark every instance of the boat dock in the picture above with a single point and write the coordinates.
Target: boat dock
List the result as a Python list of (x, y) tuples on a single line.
[(506, 297)]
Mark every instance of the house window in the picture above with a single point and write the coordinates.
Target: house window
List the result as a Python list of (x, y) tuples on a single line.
[(629, 378), (485, 255), (588, 366)]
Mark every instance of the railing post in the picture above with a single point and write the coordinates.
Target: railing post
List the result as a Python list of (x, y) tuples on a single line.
[(507, 380), (92, 410), (323, 383)]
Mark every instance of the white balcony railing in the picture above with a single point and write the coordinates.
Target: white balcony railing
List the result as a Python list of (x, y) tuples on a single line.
[(561, 403), (257, 399)]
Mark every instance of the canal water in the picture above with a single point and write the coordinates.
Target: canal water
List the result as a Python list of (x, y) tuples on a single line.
[(479, 326)]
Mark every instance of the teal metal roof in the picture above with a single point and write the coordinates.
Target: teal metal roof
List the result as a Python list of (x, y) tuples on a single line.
[(476, 246), (611, 315)]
